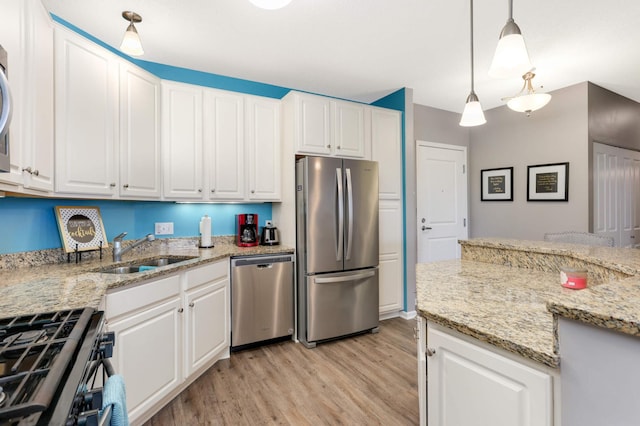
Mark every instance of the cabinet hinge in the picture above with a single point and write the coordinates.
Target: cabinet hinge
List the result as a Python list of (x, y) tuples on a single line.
[(464, 222), (464, 168)]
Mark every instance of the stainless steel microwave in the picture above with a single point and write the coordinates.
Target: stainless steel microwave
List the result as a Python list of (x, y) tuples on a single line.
[(5, 112)]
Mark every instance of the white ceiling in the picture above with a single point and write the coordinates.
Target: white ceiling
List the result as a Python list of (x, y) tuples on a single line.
[(365, 49)]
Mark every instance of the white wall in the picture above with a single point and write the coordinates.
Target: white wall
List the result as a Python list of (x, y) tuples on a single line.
[(555, 134)]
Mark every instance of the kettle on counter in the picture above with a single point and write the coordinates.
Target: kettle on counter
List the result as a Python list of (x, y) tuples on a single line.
[(270, 235)]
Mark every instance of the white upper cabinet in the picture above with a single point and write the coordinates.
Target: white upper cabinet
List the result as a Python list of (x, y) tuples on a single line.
[(215, 141), (348, 129), (139, 133), (86, 81), (323, 126), (312, 123), (386, 149), (224, 143), (27, 36), (263, 148), (182, 151)]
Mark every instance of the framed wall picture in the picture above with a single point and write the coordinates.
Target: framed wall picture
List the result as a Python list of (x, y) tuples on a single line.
[(496, 184), (81, 228), (548, 182)]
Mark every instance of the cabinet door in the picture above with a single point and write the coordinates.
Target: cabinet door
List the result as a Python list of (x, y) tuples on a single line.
[(386, 149), (391, 271), (263, 145), (470, 385), (148, 354), (38, 141), (139, 133), (182, 141), (312, 122), (348, 129), (224, 142), (86, 83), (207, 334)]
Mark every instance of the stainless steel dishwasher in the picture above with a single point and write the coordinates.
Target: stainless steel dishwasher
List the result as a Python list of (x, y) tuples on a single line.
[(261, 298)]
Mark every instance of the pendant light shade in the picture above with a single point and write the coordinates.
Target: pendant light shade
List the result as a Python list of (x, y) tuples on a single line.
[(511, 58), (270, 4), (528, 100), (131, 44), (472, 114)]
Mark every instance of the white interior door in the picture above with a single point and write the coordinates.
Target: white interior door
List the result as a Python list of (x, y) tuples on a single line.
[(616, 194), (441, 200)]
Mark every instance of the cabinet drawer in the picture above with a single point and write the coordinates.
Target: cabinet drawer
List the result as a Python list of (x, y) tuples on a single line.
[(207, 273), (129, 299)]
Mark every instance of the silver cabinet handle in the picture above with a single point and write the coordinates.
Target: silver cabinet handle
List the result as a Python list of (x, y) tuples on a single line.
[(28, 170), (253, 191), (199, 189), (112, 185), (424, 228), (180, 310), (36, 172), (191, 305), (213, 190), (328, 146), (125, 186), (431, 352)]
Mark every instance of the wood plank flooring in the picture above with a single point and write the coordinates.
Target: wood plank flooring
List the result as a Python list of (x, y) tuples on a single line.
[(369, 379)]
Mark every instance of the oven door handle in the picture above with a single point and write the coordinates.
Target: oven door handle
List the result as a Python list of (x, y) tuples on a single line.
[(108, 368)]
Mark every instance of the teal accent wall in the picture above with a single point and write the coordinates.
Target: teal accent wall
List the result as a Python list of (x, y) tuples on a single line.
[(30, 223)]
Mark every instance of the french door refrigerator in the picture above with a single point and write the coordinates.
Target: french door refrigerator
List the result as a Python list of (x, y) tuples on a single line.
[(337, 247)]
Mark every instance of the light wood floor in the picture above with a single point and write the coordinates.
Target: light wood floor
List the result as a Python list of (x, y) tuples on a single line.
[(369, 379)]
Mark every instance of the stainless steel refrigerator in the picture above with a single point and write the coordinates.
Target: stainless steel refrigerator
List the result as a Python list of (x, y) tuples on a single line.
[(337, 247)]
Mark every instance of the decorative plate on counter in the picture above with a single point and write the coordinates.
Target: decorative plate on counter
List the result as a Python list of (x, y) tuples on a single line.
[(80, 228)]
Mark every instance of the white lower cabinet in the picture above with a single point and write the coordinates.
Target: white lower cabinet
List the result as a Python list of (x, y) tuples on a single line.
[(469, 384), (207, 327), (168, 331)]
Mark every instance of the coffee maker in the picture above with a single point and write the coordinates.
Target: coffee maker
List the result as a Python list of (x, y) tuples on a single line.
[(247, 230)]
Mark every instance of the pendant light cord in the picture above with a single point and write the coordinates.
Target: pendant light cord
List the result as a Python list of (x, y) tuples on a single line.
[(471, 26), (510, 10)]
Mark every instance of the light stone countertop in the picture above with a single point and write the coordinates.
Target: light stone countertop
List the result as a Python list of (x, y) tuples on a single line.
[(508, 293), (497, 304), (51, 287)]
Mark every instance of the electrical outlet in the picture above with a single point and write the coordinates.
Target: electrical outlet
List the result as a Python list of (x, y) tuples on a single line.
[(164, 228)]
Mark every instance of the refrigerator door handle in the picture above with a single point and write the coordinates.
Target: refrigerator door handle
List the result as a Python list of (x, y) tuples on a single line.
[(340, 195), (350, 213), (344, 278)]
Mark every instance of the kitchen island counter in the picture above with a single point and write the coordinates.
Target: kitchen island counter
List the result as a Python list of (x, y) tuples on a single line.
[(51, 287), (507, 293)]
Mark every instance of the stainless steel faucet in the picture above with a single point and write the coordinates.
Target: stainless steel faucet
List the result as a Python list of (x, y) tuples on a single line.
[(118, 251)]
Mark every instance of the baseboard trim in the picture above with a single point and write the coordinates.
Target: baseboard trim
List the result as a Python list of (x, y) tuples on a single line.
[(408, 315)]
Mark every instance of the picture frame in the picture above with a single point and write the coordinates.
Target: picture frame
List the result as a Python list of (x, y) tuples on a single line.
[(80, 228), (496, 184), (548, 182)]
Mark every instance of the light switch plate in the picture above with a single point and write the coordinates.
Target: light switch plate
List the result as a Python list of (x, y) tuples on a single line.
[(164, 228)]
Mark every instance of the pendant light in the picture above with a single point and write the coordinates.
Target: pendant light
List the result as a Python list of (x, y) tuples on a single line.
[(472, 114), (528, 101), (131, 44), (270, 4), (511, 58)]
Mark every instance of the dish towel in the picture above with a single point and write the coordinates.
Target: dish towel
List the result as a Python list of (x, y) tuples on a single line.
[(114, 394)]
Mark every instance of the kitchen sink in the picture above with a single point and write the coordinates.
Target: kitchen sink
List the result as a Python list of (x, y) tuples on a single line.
[(144, 265)]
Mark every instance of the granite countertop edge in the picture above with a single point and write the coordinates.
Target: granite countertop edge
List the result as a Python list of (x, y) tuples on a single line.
[(53, 287), (550, 360)]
